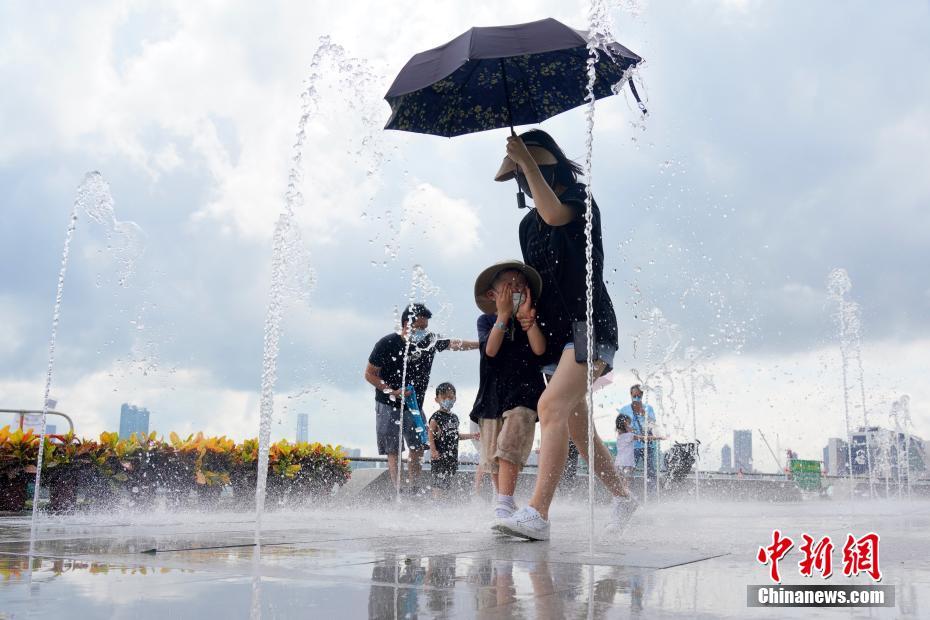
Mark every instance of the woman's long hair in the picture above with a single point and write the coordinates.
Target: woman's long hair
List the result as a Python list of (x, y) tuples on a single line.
[(566, 170)]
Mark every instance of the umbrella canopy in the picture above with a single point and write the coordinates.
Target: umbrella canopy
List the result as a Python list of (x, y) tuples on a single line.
[(488, 78)]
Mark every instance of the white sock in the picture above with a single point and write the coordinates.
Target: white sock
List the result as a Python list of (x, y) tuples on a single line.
[(507, 500)]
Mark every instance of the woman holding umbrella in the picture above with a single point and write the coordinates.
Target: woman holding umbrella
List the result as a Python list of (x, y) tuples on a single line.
[(552, 238), (494, 77)]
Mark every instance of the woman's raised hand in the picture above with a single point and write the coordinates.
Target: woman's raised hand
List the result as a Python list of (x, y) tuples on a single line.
[(518, 152)]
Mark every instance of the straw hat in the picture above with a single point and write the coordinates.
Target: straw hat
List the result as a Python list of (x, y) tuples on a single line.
[(540, 155), (486, 279)]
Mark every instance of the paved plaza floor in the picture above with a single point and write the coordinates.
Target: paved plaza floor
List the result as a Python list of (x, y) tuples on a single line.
[(681, 559)]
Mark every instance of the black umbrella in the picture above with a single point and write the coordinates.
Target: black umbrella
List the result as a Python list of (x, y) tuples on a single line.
[(488, 78)]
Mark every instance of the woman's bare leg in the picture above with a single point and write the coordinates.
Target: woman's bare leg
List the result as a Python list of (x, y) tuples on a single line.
[(556, 404), (603, 464), (562, 414)]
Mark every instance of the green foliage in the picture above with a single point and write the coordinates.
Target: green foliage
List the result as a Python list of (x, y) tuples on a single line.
[(112, 465)]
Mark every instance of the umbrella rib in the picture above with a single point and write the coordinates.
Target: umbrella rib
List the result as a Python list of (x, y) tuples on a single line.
[(571, 53), (531, 99), (461, 91), (470, 73)]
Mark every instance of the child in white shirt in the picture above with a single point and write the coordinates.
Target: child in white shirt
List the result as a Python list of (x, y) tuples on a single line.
[(625, 461)]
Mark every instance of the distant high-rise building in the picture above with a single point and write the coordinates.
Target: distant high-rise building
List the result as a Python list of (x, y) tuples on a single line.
[(836, 457), (726, 458), (133, 419), (888, 450), (916, 454), (742, 451), (303, 427)]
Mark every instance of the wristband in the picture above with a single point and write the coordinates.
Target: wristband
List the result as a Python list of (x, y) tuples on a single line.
[(501, 326)]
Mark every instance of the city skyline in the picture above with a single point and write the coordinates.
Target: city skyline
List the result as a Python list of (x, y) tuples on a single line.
[(726, 458), (303, 427), (133, 419), (742, 451)]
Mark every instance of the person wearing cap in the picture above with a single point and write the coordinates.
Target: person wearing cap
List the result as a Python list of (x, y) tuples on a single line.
[(642, 424), (553, 241), (510, 383), (385, 371)]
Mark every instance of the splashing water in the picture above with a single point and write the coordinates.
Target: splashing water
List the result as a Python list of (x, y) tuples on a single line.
[(598, 36), (125, 239), (421, 287), (662, 341), (411, 298), (900, 418), (847, 317), (288, 253), (56, 313), (692, 359), (598, 23)]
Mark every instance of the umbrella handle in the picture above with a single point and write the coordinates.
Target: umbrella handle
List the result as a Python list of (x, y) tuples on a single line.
[(521, 197), (639, 101)]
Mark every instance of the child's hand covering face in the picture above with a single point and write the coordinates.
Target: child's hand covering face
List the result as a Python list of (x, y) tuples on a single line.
[(503, 297)]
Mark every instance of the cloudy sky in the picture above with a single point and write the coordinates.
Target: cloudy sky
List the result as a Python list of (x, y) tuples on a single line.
[(784, 140)]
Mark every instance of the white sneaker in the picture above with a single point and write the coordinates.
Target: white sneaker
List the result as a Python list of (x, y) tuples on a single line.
[(524, 523), (501, 511), (621, 512)]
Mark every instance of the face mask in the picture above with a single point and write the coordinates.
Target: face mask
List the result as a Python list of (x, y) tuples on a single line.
[(418, 336), (548, 174), (447, 403)]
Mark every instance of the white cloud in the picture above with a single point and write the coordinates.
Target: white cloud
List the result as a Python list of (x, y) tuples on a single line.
[(13, 322), (449, 225)]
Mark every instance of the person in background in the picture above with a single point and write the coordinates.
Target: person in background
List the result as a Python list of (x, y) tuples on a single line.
[(642, 424), (480, 474), (385, 371), (444, 438), (625, 461)]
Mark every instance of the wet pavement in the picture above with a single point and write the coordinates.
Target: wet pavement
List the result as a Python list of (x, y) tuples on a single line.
[(418, 561)]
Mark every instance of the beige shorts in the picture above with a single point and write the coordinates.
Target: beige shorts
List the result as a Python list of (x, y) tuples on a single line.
[(509, 437)]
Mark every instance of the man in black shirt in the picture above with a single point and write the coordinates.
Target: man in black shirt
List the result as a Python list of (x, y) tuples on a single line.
[(385, 372)]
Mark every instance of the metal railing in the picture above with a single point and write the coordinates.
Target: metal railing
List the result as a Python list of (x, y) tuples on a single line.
[(383, 459), (22, 413), (708, 474)]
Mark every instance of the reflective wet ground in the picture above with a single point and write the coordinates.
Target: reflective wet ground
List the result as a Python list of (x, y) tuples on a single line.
[(418, 561)]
